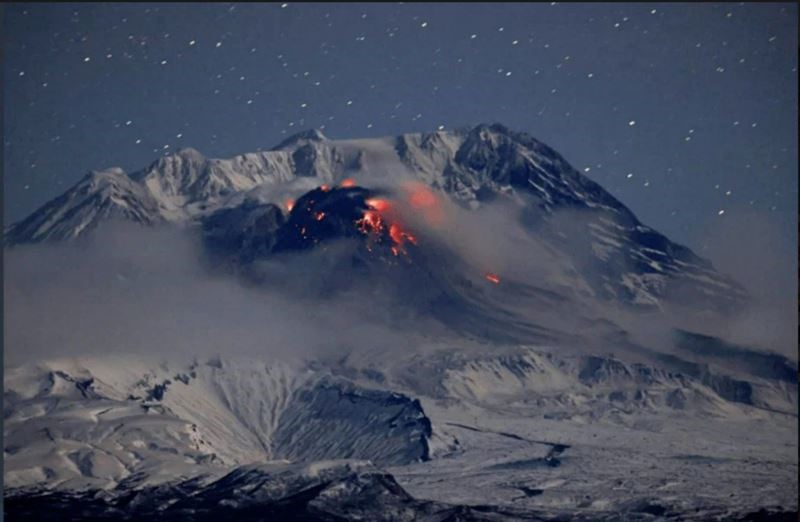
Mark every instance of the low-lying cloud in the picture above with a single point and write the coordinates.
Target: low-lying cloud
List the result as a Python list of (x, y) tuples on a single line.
[(133, 290)]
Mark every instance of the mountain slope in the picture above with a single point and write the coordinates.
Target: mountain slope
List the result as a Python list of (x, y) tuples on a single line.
[(96, 198)]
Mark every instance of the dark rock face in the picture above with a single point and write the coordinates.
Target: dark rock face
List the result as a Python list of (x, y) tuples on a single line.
[(257, 230), (364, 420), (322, 215), (248, 230)]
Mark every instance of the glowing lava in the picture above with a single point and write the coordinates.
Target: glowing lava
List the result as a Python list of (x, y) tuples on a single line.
[(289, 205), (492, 278), (348, 182), (324, 188), (378, 220), (380, 205), (370, 223), (400, 236), (319, 216)]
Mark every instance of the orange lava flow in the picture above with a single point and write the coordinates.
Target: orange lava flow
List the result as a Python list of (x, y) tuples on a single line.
[(289, 205), (319, 216), (400, 236), (348, 182), (379, 219), (324, 188), (492, 278), (371, 223)]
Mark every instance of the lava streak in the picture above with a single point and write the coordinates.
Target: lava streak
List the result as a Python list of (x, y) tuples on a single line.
[(399, 237), (347, 182), (289, 205), (492, 278)]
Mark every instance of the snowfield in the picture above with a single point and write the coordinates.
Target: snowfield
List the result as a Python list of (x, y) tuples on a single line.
[(528, 433)]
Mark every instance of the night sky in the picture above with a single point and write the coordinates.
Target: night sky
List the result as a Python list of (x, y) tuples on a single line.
[(686, 112)]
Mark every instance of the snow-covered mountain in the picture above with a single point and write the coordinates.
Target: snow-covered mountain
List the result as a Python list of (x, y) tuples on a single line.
[(617, 257), (511, 347), (98, 196)]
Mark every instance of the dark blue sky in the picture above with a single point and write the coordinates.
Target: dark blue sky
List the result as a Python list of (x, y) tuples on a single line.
[(680, 110)]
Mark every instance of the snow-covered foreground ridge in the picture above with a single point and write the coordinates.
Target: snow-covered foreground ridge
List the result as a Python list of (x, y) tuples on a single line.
[(159, 432), (120, 416)]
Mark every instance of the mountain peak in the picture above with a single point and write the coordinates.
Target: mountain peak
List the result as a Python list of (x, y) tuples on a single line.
[(496, 128), (300, 138), (189, 153), (184, 155), (108, 174)]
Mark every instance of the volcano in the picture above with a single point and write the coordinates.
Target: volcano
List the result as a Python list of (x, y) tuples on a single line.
[(471, 167), (446, 325)]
